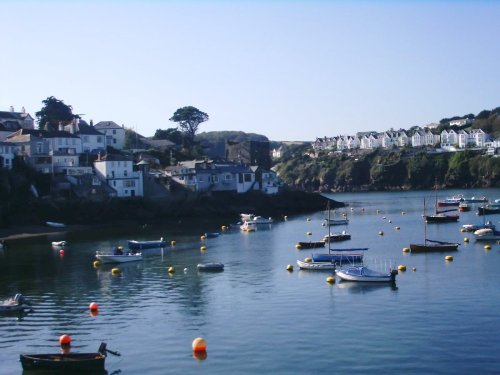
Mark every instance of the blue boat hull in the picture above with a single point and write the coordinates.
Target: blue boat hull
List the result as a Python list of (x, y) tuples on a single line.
[(337, 257)]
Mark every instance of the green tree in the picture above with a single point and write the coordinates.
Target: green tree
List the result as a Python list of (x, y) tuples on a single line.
[(189, 119), (54, 112), (171, 134)]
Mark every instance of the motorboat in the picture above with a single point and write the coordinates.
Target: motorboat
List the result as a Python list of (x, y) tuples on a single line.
[(336, 237), (248, 226), (487, 234), (364, 274), (59, 243), (309, 264), (489, 209), (112, 257), (15, 304), (463, 207), (474, 227), (141, 245)]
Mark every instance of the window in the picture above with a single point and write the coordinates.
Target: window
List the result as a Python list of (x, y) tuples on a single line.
[(248, 177), (227, 176), (214, 179), (114, 131), (129, 183), (114, 140)]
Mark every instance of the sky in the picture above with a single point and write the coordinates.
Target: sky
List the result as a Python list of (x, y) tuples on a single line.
[(289, 70)]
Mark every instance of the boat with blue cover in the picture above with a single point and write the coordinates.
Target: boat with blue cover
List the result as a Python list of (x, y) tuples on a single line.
[(354, 255), (141, 245)]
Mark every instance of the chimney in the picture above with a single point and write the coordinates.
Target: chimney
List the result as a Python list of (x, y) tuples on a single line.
[(91, 122), (23, 110), (11, 108), (61, 127)]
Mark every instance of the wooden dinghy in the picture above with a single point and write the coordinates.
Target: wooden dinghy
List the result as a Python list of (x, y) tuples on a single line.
[(89, 363)]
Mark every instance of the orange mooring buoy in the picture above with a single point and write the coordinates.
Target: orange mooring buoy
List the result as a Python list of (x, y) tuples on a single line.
[(93, 306), (65, 340), (199, 345)]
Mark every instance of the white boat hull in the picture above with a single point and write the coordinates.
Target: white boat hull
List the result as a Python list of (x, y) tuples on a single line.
[(112, 258), (315, 265), (363, 274)]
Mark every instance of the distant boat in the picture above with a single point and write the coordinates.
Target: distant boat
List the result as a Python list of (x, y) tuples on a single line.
[(364, 274), (487, 234), (256, 219), (59, 243), (110, 257), (309, 264), (432, 245), (474, 227), (310, 244), (54, 224), (463, 207), (336, 237), (14, 304), (440, 216), (352, 255), (211, 234), (141, 245), (212, 267), (248, 226), (489, 209)]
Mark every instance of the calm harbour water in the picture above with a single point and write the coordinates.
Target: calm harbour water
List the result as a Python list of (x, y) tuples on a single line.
[(255, 316)]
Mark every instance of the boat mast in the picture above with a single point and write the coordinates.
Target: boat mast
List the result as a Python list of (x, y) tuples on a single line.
[(425, 227), (328, 227)]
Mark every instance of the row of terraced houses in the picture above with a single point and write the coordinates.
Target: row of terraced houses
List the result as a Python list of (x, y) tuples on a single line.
[(448, 140), (128, 173)]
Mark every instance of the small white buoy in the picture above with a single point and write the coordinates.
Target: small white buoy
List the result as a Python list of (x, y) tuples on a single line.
[(466, 239), (309, 233), (289, 268), (397, 228), (381, 233), (406, 250), (185, 270)]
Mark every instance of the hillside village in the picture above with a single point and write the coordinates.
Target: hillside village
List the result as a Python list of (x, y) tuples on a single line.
[(92, 161)]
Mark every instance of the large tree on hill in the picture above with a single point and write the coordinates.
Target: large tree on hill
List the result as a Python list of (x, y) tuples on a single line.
[(54, 112), (189, 119)]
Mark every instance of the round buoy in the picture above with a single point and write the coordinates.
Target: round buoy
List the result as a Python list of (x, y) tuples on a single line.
[(289, 268), (406, 250), (309, 233), (390, 221), (203, 237), (323, 224), (448, 258), (378, 211), (462, 230), (97, 264), (93, 306), (65, 340), (115, 271), (362, 210), (185, 270), (203, 248), (397, 228), (199, 345), (402, 212), (381, 233), (61, 252), (402, 267), (171, 269), (383, 217), (308, 260), (330, 280), (172, 243), (298, 246), (414, 269), (308, 219), (285, 217), (487, 247), (466, 239)]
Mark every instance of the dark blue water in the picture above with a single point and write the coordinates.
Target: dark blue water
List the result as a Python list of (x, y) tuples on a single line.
[(255, 316)]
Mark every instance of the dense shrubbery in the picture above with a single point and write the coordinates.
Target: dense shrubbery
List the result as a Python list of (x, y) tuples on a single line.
[(389, 170)]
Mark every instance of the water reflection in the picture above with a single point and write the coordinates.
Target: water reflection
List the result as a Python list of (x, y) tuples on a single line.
[(365, 287)]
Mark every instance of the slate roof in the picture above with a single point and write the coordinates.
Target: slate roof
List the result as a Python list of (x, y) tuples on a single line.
[(107, 125)]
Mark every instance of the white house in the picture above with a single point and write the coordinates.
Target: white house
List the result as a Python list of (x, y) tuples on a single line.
[(479, 137), (93, 141), (424, 138), (461, 122), (276, 153), (449, 138), (16, 120), (117, 171), (7, 154), (369, 142), (114, 133)]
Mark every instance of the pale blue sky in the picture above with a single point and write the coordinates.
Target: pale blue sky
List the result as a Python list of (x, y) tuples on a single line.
[(290, 70)]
